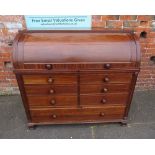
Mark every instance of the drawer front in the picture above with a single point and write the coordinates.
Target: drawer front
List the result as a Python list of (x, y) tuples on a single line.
[(51, 89), (99, 78), (54, 101), (77, 115), (104, 88), (98, 66), (50, 79), (106, 99)]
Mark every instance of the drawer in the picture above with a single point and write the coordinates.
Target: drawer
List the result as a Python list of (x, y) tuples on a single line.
[(106, 99), (53, 101), (50, 79), (76, 115), (51, 89), (82, 66), (98, 78), (104, 88)]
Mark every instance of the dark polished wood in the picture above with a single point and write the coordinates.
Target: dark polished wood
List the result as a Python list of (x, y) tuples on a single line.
[(79, 66), (52, 100), (50, 79), (50, 89), (104, 88), (104, 99), (76, 76), (74, 114), (99, 78)]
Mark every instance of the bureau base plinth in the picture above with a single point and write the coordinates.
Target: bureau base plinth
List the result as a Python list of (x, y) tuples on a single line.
[(33, 126)]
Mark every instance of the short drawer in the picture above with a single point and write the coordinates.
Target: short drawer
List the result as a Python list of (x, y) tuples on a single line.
[(98, 78), (50, 79), (51, 89), (77, 115), (54, 101), (106, 99), (104, 88)]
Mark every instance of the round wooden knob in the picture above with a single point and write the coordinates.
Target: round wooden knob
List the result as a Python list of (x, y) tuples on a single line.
[(102, 114), (104, 101), (54, 116), (106, 79), (50, 80), (51, 91), (105, 90), (48, 66), (53, 102), (107, 66)]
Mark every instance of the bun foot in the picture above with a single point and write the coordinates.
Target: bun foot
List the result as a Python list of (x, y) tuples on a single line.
[(124, 123), (31, 126)]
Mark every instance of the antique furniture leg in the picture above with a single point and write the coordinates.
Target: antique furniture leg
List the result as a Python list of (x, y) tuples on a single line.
[(31, 126)]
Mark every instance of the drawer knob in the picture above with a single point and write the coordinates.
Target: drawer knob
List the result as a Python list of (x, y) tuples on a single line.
[(51, 91), (50, 80), (102, 114), (53, 102), (54, 116), (107, 66), (105, 90), (106, 79), (48, 66), (104, 101)]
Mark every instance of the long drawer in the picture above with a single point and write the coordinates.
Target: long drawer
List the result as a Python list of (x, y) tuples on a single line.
[(104, 88), (51, 89), (53, 101), (99, 78), (50, 79), (99, 66), (77, 115), (105, 99)]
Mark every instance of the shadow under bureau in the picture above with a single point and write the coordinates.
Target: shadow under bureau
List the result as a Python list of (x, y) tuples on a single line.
[(76, 76)]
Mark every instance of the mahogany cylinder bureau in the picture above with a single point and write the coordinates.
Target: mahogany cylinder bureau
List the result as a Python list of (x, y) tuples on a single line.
[(76, 76)]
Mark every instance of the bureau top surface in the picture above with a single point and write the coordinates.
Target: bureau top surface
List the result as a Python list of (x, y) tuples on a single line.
[(100, 38), (75, 46)]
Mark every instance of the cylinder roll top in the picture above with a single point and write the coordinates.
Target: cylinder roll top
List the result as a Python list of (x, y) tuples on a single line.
[(75, 47)]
